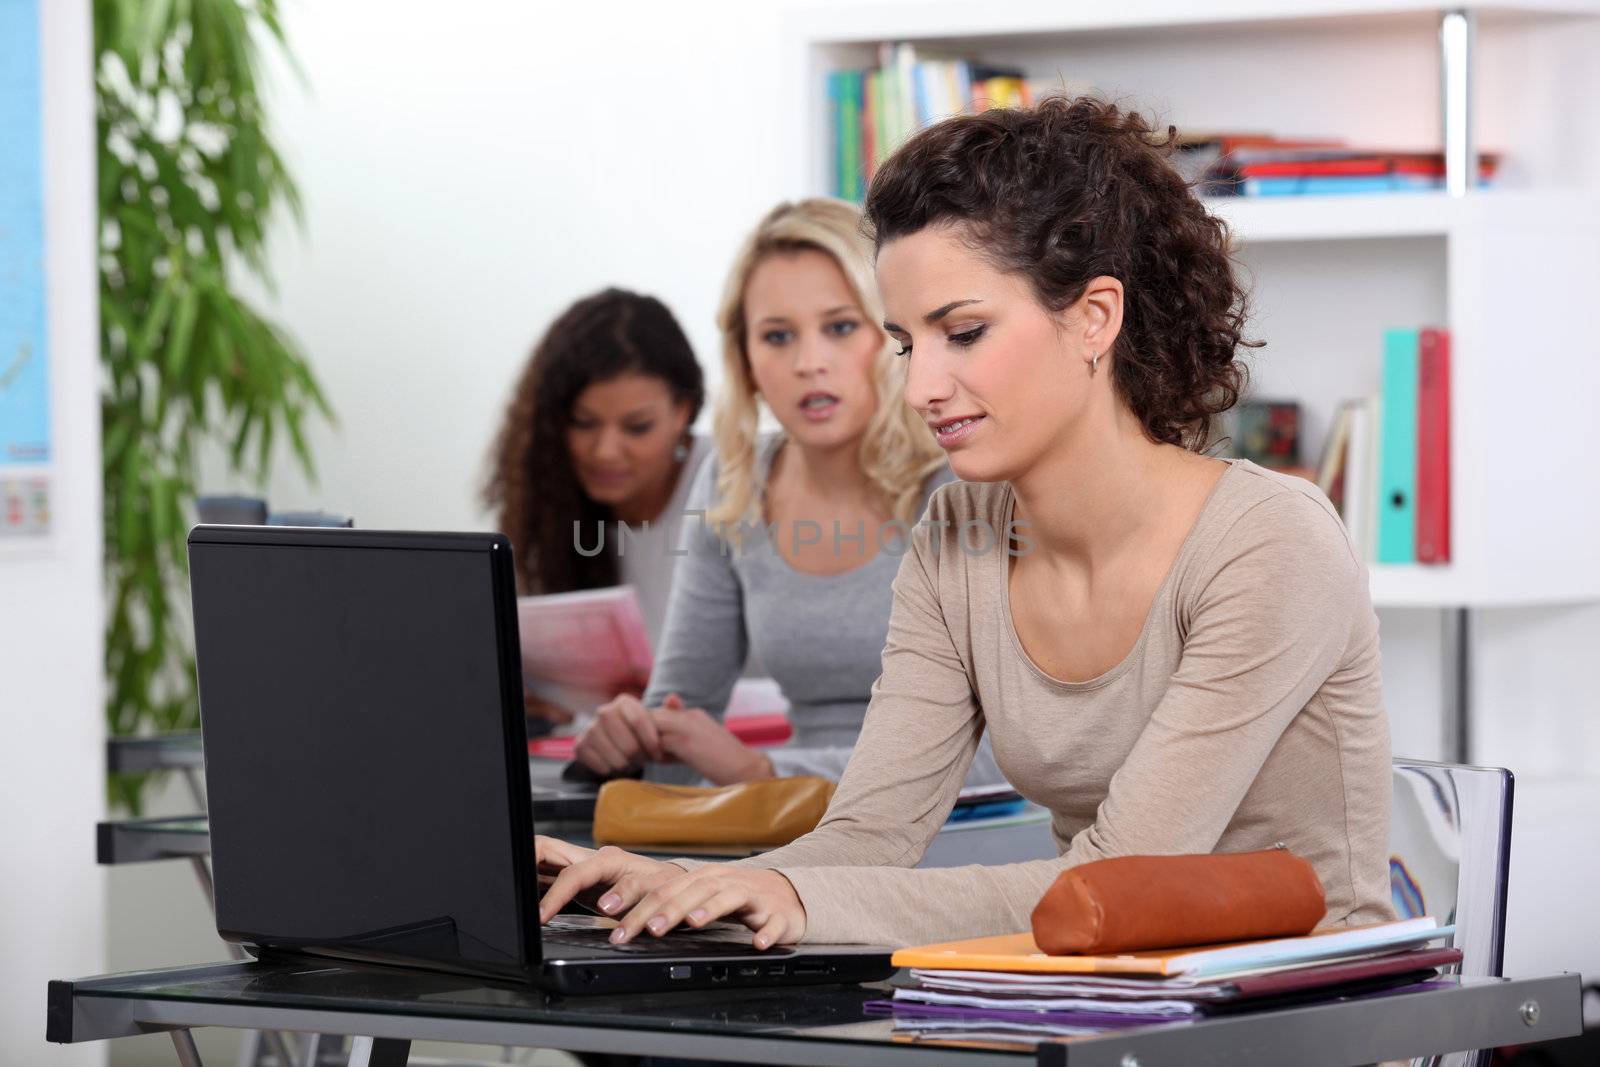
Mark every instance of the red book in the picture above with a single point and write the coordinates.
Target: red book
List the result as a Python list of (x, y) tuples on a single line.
[(1301, 168), (1426, 165), (1433, 446), (757, 731)]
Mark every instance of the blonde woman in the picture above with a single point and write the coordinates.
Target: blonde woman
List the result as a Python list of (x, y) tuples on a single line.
[(800, 532)]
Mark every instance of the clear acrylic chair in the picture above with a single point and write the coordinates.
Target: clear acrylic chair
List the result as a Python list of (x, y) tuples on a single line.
[(309, 518), (1449, 857), (231, 510)]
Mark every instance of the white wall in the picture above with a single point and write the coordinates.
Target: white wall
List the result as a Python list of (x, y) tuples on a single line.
[(467, 174), (52, 786), (466, 177)]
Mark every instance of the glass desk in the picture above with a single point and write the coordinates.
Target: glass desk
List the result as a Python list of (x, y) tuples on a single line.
[(391, 1007), (164, 752)]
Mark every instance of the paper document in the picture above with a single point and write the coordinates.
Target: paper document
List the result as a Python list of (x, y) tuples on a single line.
[(581, 649)]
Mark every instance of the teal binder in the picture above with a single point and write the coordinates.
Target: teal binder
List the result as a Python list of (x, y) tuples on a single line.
[(1397, 450)]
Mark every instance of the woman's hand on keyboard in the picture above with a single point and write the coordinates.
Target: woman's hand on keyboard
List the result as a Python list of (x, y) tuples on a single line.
[(763, 900), (615, 877)]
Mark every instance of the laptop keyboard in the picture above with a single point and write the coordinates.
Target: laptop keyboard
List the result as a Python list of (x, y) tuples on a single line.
[(566, 931)]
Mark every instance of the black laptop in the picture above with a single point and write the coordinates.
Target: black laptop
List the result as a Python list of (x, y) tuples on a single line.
[(367, 770)]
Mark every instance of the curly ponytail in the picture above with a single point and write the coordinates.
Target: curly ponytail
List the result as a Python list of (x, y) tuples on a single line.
[(1073, 189)]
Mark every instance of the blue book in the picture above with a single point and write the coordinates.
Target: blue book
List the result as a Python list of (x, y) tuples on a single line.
[(920, 75), (836, 126), (852, 86), (1397, 450), (1336, 185)]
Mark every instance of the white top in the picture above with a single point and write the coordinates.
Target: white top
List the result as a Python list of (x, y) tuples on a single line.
[(646, 557)]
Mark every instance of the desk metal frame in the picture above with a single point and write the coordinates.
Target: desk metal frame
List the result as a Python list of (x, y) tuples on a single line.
[(1480, 1013)]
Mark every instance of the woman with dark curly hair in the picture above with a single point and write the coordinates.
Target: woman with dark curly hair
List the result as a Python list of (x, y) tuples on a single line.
[(1175, 654), (596, 434)]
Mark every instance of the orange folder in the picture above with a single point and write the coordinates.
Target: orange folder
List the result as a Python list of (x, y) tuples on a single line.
[(1018, 953)]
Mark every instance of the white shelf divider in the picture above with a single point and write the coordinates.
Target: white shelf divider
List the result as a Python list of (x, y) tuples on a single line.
[(1331, 218), (959, 19)]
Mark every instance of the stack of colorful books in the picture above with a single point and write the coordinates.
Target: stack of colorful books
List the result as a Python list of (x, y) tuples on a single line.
[(1005, 989), (1253, 164), (872, 112), (1386, 462)]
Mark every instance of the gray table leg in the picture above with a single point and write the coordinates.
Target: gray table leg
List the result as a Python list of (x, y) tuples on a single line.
[(379, 1052), (188, 1055), (249, 1051), (249, 1048), (197, 790)]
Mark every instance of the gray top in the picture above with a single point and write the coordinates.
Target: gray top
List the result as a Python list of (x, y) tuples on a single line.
[(820, 637)]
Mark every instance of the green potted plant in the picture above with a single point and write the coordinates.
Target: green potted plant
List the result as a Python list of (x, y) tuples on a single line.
[(189, 181)]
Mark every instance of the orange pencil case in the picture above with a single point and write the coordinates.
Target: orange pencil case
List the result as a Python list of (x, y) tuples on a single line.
[(1132, 903)]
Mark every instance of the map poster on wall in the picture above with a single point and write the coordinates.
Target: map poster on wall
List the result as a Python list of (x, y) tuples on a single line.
[(24, 357)]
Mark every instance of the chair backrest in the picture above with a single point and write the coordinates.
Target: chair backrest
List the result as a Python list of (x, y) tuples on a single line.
[(231, 510), (1450, 852), (309, 518)]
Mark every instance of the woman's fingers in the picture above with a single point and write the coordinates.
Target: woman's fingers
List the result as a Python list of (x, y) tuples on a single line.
[(595, 751), (726, 901), (612, 721), (664, 907), (774, 932), (638, 719), (554, 854), (602, 868), (625, 893)]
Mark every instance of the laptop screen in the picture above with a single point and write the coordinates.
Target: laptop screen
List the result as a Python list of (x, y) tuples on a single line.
[(360, 702)]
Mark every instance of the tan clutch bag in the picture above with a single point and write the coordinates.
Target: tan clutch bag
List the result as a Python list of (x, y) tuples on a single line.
[(770, 812), (1132, 903)]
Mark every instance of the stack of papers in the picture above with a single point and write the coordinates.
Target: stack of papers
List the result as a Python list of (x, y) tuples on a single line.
[(1005, 984)]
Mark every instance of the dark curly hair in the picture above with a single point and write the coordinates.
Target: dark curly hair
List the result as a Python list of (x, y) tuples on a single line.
[(1067, 191), (532, 484)]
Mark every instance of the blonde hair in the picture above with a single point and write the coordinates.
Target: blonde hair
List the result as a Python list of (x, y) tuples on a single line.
[(897, 450)]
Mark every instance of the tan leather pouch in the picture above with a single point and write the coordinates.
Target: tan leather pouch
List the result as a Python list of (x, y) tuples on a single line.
[(770, 812), (1132, 903)]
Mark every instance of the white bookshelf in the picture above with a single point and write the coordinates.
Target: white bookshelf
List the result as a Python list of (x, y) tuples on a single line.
[(1512, 271)]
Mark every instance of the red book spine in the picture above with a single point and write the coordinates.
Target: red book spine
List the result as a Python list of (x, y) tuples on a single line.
[(1433, 446)]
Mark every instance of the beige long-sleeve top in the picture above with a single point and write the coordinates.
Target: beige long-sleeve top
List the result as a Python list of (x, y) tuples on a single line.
[(1247, 713)]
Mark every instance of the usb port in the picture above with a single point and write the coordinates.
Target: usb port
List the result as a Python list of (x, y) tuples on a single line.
[(777, 969), (749, 972)]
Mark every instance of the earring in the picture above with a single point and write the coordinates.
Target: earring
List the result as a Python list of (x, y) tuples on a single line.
[(1094, 364), (681, 451)]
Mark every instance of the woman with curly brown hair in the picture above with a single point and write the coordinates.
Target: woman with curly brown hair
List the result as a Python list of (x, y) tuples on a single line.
[(597, 434), (1175, 654)]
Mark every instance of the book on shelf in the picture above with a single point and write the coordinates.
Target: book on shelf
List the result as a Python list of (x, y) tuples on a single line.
[(873, 111), (1385, 464), (1268, 434), (1433, 446), (1255, 164), (1397, 450)]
